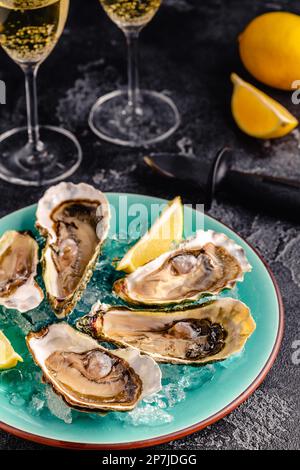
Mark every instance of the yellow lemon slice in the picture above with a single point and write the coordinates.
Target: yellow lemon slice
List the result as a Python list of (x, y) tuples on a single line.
[(257, 114), (167, 229), (8, 357)]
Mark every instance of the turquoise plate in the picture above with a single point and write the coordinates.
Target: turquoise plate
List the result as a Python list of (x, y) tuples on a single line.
[(191, 399)]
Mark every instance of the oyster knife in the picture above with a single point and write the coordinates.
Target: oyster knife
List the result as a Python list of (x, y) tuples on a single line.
[(280, 196)]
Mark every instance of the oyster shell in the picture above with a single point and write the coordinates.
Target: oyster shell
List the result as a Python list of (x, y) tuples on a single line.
[(88, 376), (18, 268), (75, 221), (208, 333), (206, 264)]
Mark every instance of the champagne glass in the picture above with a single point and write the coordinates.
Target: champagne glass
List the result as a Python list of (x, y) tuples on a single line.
[(36, 155), (133, 117)]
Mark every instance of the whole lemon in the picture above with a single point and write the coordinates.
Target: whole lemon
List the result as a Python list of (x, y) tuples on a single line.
[(270, 49)]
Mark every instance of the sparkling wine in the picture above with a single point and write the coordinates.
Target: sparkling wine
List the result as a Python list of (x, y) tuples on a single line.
[(127, 13), (29, 29)]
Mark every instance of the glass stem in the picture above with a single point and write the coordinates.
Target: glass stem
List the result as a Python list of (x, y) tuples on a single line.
[(32, 107), (133, 71)]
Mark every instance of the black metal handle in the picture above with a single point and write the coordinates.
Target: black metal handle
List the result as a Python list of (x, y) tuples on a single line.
[(265, 193)]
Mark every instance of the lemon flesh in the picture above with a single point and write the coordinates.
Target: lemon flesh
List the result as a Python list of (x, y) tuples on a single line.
[(257, 114), (167, 230), (269, 49), (8, 357)]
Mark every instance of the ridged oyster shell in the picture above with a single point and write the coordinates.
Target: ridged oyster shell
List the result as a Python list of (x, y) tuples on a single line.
[(75, 219), (88, 376), (197, 335), (204, 265), (18, 269)]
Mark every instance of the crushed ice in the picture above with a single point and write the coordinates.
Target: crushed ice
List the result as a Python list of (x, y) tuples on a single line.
[(157, 409), (24, 385)]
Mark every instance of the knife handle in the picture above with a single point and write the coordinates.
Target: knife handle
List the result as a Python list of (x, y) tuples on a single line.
[(263, 192)]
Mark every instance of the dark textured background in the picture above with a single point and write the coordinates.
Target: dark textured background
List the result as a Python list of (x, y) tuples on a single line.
[(188, 50)]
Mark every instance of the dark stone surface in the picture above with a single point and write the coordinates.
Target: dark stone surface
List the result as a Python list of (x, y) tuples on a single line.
[(189, 49)]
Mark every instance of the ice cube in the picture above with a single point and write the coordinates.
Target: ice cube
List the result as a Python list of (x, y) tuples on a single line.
[(57, 406), (36, 405), (16, 400), (39, 317), (90, 297), (9, 378), (19, 320), (4, 320), (174, 393), (145, 414)]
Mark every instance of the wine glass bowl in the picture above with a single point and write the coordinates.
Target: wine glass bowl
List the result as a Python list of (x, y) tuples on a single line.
[(132, 13), (134, 117), (29, 31), (29, 35)]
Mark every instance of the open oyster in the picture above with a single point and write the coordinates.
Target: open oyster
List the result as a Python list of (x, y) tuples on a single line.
[(75, 221), (18, 268), (200, 335), (206, 264), (88, 376)]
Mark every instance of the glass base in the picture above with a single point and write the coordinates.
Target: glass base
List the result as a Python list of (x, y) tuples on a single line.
[(112, 119), (58, 156)]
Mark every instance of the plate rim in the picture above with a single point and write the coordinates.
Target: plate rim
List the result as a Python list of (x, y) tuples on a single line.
[(190, 429)]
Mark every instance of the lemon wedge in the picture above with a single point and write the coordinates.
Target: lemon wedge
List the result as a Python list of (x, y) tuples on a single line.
[(257, 114), (166, 230), (8, 357)]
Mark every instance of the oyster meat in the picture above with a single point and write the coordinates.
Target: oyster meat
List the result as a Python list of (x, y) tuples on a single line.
[(88, 376), (206, 264), (75, 221), (18, 269), (207, 333)]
